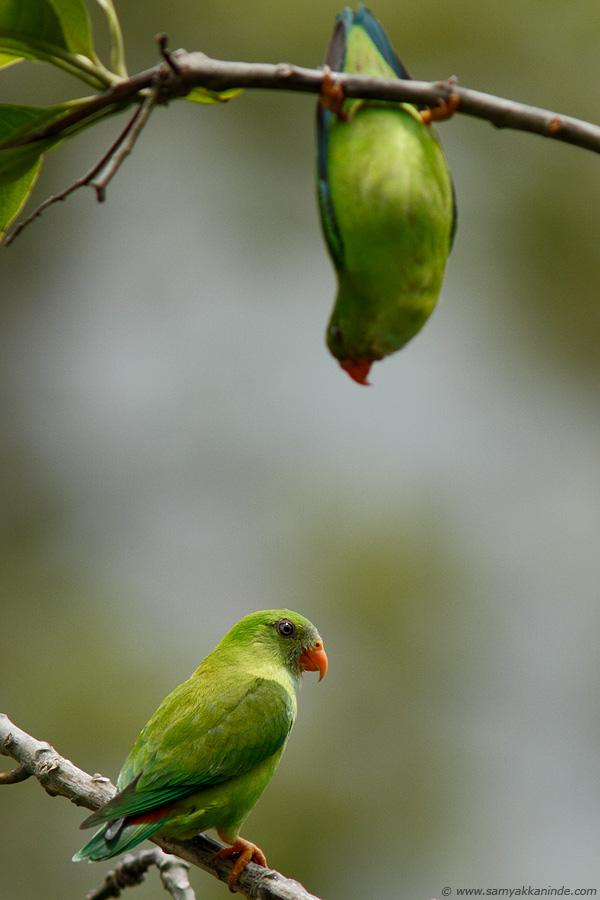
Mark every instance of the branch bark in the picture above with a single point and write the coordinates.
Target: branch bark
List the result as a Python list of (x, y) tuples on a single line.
[(185, 71), (60, 778)]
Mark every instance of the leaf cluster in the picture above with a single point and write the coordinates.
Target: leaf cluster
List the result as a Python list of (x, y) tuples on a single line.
[(58, 32)]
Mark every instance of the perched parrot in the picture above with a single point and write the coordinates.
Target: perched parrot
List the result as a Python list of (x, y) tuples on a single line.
[(211, 747), (386, 202)]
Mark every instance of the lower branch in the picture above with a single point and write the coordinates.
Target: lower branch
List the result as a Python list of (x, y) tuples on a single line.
[(60, 778), (131, 871)]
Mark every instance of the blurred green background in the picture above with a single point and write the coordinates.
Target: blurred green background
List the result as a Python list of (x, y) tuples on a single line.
[(178, 449)]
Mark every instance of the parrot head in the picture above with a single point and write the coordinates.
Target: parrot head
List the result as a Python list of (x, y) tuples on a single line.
[(353, 361), (361, 333), (284, 637)]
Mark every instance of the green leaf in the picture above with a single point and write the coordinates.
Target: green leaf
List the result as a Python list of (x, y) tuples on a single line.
[(14, 196), (6, 59), (20, 166), (56, 31), (203, 95), (75, 24), (63, 25)]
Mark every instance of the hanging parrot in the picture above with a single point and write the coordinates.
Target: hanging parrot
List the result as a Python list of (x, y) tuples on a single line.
[(211, 747), (386, 202)]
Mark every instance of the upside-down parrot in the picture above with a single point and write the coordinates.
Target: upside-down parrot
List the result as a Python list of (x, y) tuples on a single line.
[(211, 747), (386, 202)]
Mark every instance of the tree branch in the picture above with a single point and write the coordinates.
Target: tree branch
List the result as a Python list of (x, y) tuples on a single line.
[(60, 778), (185, 71), (180, 72), (131, 871)]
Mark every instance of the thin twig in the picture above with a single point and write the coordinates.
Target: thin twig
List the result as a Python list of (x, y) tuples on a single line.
[(81, 182), (59, 777), (113, 160), (15, 776), (162, 40), (106, 168)]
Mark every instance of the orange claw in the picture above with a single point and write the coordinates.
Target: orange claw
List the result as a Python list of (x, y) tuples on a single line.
[(444, 110), (332, 95), (248, 852)]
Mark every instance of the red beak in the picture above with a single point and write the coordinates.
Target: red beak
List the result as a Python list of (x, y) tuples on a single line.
[(358, 369), (314, 659)]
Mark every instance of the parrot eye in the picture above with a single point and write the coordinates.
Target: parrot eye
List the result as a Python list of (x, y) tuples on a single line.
[(335, 334), (285, 628)]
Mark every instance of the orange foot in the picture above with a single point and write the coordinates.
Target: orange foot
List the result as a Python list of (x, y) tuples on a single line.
[(444, 110), (332, 95), (248, 852)]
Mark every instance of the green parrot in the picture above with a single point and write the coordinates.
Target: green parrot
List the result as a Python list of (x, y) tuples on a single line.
[(386, 202), (212, 746)]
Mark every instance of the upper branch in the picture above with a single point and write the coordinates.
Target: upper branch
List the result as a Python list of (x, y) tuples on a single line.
[(185, 71), (59, 777)]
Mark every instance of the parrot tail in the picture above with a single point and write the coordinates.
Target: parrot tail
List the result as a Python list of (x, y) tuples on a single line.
[(116, 837)]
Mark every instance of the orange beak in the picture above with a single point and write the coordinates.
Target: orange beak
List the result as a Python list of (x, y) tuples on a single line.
[(314, 660), (358, 369)]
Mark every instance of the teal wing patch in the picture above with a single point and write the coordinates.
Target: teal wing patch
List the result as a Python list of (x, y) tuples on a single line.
[(331, 228), (365, 19)]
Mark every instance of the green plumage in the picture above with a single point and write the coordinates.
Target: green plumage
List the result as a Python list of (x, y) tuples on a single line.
[(386, 203), (210, 749)]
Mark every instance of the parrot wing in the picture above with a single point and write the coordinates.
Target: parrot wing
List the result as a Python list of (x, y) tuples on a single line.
[(199, 740), (373, 61)]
